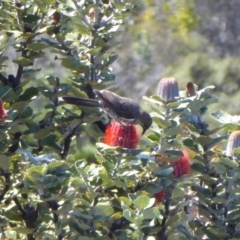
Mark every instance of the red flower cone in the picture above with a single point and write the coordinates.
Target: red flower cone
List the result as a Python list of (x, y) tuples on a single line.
[(3, 114), (160, 196), (126, 136), (182, 166)]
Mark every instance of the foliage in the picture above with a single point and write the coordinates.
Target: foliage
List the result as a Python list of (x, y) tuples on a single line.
[(51, 189)]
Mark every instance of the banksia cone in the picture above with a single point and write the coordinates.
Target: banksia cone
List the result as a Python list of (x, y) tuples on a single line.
[(126, 136), (3, 114), (160, 196), (182, 166), (190, 90), (168, 89), (233, 142)]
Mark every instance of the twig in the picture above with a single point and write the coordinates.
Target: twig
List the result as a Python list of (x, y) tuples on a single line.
[(161, 235), (7, 183), (19, 206)]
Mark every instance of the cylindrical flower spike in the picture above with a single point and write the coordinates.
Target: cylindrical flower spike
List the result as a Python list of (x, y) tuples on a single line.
[(126, 136), (168, 89), (233, 142)]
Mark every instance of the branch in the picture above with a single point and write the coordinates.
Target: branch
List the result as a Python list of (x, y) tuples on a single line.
[(3, 79), (7, 184), (161, 234), (54, 206), (19, 206), (67, 142)]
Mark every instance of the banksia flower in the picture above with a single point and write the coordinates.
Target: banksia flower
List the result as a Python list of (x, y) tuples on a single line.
[(233, 142), (126, 136), (168, 89), (3, 114), (190, 90), (182, 166), (160, 196)]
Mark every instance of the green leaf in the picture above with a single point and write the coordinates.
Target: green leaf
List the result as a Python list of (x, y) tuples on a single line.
[(103, 210), (23, 230), (127, 215), (151, 213), (23, 61), (142, 202), (215, 233), (228, 162), (73, 64), (38, 46), (4, 162), (51, 141), (7, 93), (203, 191), (178, 193), (29, 93), (224, 117), (30, 18), (42, 133), (125, 200), (163, 172)]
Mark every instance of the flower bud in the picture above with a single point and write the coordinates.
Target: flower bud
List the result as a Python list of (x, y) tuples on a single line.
[(233, 142), (168, 89), (190, 90)]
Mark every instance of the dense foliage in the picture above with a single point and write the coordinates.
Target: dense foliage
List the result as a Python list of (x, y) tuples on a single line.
[(50, 188)]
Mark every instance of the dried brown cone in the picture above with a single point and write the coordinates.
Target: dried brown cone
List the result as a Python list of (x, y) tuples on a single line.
[(190, 90), (233, 142), (168, 89), (56, 17), (93, 14)]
